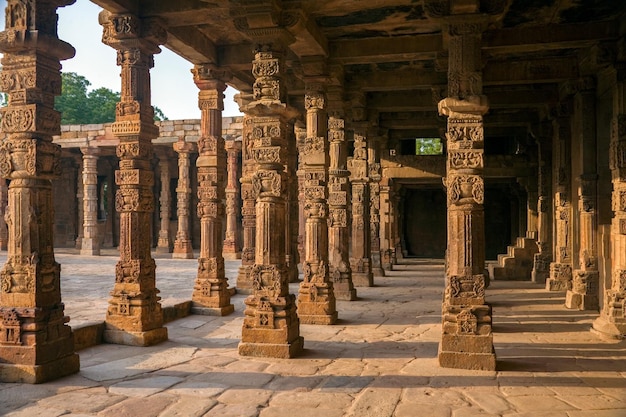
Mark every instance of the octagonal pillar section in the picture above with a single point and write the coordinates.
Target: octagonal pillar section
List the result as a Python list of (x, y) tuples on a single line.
[(36, 344), (134, 315)]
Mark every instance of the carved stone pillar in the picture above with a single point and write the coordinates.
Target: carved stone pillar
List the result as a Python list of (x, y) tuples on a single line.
[(386, 222), (36, 344), (467, 340), (134, 316), (271, 327), (232, 242), (210, 292), (80, 209), (612, 320), (373, 164), (316, 300), (582, 292), (360, 260), (4, 232), (90, 243), (248, 210), (542, 259), (561, 268), (182, 245), (164, 244), (292, 224), (338, 199), (300, 133)]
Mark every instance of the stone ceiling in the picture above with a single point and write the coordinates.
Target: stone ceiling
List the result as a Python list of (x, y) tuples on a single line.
[(395, 50)]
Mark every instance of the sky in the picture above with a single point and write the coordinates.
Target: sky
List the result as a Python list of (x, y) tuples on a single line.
[(173, 90)]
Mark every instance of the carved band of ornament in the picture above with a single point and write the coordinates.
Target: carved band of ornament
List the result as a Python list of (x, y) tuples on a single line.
[(465, 159), (467, 286), (314, 209), (210, 104), (313, 145), (208, 209), (207, 193), (318, 274), (336, 135), (267, 155), (336, 123), (338, 198), (267, 183), (464, 188), (266, 130), (134, 177), (338, 217), (19, 274), (266, 88), (126, 127), (315, 100), (10, 327), (131, 200), (464, 135), (17, 79), (561, 271), (126, 150), (464, 84), (265, 67), (466, 322), (315, 192), (465, 28), (21, 119), (266, 280)]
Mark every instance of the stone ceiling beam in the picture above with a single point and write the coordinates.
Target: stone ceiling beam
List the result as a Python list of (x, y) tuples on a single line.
[(395, 80), (192, 45), (374, 50), (547, 70), (119, 6)]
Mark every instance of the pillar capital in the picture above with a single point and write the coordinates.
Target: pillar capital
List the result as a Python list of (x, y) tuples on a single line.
[(127, 32), (183, 147)]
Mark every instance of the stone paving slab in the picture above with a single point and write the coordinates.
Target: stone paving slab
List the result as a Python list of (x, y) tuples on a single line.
[(379, 360)]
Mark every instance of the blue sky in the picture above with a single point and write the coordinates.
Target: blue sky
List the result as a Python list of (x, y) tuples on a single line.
[(173, 90)]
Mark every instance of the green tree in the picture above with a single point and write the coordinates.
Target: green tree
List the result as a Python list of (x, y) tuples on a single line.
[(79, 105), (428, 146)]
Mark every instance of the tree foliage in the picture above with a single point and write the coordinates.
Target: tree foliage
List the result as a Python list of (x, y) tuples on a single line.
[(428, 146), (79, 105)]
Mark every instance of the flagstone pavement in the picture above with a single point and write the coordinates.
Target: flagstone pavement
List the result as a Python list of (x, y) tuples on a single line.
[(379, 360)]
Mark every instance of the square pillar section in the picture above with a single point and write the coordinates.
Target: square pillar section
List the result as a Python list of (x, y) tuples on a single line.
[(36, 344), (134, 316), (467, 339), (210, 292), (90, 242), (271, 327)]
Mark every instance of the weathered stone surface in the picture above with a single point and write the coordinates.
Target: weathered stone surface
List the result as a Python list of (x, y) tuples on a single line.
[(144, 387)]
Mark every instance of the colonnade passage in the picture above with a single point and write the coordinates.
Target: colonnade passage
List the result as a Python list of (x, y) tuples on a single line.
[(347, 110)]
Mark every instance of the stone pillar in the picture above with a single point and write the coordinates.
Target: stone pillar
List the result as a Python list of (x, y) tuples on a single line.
[(210, 292), (561, 268), (373, 164), (542, 259), (360, 260), (386, 223), (232, 242), (80, 215), (531, 207), (164, 244), (248, 210), (300, 133), (90, 243), (292, 224), (182, 244), (4, 232), (36, 344), (134, 316), (582, 293), (338, 199), (271, 327), (316, 300), (467, 339), (612, 320)]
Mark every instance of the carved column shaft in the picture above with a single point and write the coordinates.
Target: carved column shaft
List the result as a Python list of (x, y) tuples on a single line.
[(36, 344), (467, 340), (561, 268), (182, 245), (612, 320), (316, 300), (232, 241), (90, 243), (373, 151), (300, 133), (385, 224), (582, 293), (134, 315), (164, 244), (271, 326), (542, 259), (339, 217), (210, 292), (4, 233)]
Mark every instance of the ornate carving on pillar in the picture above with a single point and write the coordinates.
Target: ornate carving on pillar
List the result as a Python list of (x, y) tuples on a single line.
[(339, 217), (271, 326), (232, 242), (467, 340), (4, 232), (90, 243), (561, 268), (542, 259), (292, 256), (612, 320), (164, 244), (387, 223), (182, 244), (316, 300), (360, 261), (210, 292), (36, 344), (80, 212), (300, 133), (134, 316), (375, 178)]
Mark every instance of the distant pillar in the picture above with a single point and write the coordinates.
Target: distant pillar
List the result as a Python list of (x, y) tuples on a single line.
[(541, 264), (182, 244), (373, 152), (4, 232), (232, 242), (90, 243), (164, 244)]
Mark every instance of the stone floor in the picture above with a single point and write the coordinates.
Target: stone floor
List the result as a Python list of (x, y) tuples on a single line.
[(379, 360)]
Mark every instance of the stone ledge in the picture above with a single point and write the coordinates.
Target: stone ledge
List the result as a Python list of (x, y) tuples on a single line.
[(177, 311), (88, 334)]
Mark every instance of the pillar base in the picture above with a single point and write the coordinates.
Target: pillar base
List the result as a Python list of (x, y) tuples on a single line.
[(270, 350), (467, 352), (560, 277), (556, 285), (325, 319), (147, 338), (609, 330), (36, 374), (577, 301), (211, 311), (347, 295), (89, 247), (244, 283), (163, 249), (378, 271), (362, 279), (231, 256), (182, 250)]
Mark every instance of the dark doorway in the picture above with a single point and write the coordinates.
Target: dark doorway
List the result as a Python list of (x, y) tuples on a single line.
[(499, 205), (425, 222)]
